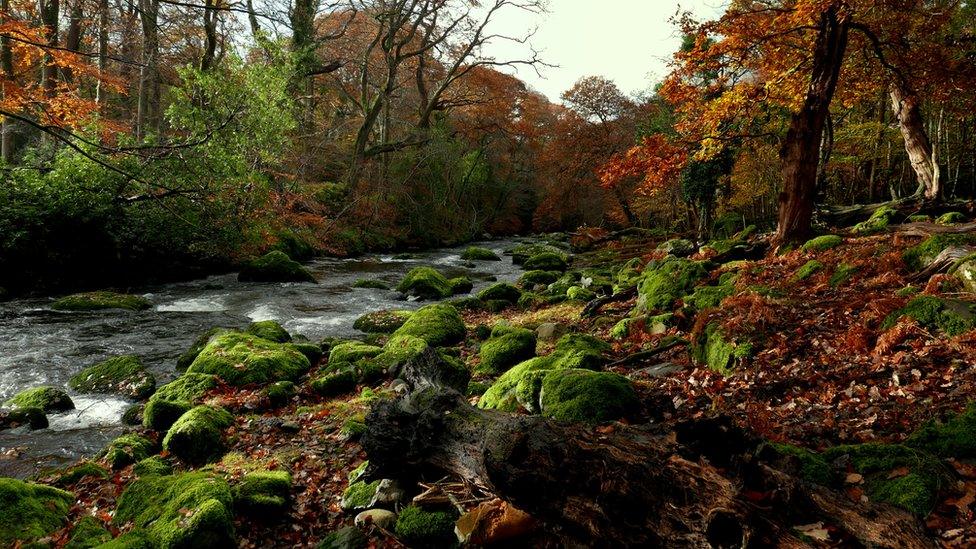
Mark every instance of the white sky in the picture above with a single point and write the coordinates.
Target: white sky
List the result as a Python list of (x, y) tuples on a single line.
[(627, 41)]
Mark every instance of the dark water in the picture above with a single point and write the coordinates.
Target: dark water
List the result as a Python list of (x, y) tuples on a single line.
[(39, 346)]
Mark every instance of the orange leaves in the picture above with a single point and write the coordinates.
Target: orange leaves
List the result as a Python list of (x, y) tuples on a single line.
[(656, 162)]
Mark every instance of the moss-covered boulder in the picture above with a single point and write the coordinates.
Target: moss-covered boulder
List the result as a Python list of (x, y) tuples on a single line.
[(31, 511), (175, 398), (522, 252), (124, 375), (664, 282), (33, 418), (878, 222), (359, 495), (45, 398), (951, 218), (950, 316), (953, 438), (275, 266), (843, 273), (198, 435), (280, 393), (715, 349), (86, 469), (128, 449), (350, 352), (418, 527), (312, 351), (371, 283), (822, 243), (439, 325), (965, 271), (460, 285), (241, 359), (500, 291), (153, 465), (475, 253), (179, 511), (707, 297), (381, 322), (546, 261), (88, 532), (335, 382), (270, 330), (808, 269), (650, 324), (188, 356), (347, 537), (507, 347), (530, 279), (96, 301), (262, 492), (920, 256), (426, 283), (586, 396), (579, 293), (678, 247)]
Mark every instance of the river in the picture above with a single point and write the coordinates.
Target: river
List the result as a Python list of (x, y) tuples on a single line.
[(40, 346)]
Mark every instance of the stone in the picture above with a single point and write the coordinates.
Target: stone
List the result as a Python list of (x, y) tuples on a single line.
[(124, 375), (380, 517), (101, 300), (275, 266), (46, 398)]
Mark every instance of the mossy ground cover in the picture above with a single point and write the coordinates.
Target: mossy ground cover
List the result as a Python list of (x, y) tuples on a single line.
[(31, 511), (122, 374)]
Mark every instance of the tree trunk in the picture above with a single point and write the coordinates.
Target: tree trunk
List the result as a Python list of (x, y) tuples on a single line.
[(49, 10), (210, 32), (639, 486), (100, 92), (72, 38), (800, 152), (904, 104), (7, 66), (147, 111)]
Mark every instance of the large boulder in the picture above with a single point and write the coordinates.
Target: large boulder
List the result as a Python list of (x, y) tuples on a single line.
[(198, 435), (175, 399), (242, 359), (426, 283), (475, 253), (546, 261), (95, 301), (128, 449), (275, 266), (965, 271), (31, 511), (381, 322), (124, 375), (507, 347), (500, 291), (263, 492), (32, 418), (522, 252), (189, 355), (270, 330), (586, 396), (180, 511), (46, 398), (439, 325)]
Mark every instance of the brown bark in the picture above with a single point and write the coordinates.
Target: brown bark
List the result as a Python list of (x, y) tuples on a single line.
[(49, 10), (72, 38), (7, 66), (100, 94), (904, 104), (800, 152), (210, 13), (148, 109)]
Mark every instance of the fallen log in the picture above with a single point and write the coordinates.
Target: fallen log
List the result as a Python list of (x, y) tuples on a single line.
[(595, 305), (843, 216), (628, 486)]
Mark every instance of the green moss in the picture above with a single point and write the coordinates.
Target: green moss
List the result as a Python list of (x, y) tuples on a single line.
[(371, 283), (198, 435), (954, 438), (95, 301), (241, 359), (965, 271), (172, 400), (398, 350), (122, 374), (188, 356), (275, 266), (33, 418), (155, 465), (311, 351), (46, 398), (920, 256), (475, 253), (878, 222), (822, 243), (950, 316), (530, 279), (477, 388), (808, 269), (88, 532), (501, 291), (811, 465), (667, 281), (907, 291), (335, 383), (707, 297), (180, 511), (81, 471), (951, 218), (522, 252), (419, 528), (587, 396), (679, 247), (714, 349), (348, 537), (270, 330), (439, 325), (579, 293), (546, 261), (128, 449), (425, 283), (461, 285), (279, 394), (842, 274), (31, 511), (352, 351), (505, 350), (135, 539), (359, 495), (261, 492), (352, 429), (467, 304)]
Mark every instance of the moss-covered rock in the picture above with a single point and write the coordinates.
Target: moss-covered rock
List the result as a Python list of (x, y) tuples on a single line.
[(467, 304), (664, 282), (950, 316), (124, 375), (188, 356), (313, 352), (371, 283), (180, 511), (822, 243), (95, 301), (965, 271), (808, 465), (128, 449), (262, 492), (546, 261), (842, 274), (953, 438), (33, 418), (31, 511), (719, 352), (654, 325), (920, 256), (280, 393), (359, 495), (530, 279), (381, 322), (678, 247), (351, 352), (153, 465), (45, 398), (580, 293), (270, 330), (134, 539), (586, 396), (506, 349), (460, 285), (522, 252), (275, 266), (474, 253), (420, 528), (83, 470), (426, 283), (878, 222), (335, 383), (951, 218), (88, 532), (500, 291), (808, 269), (241, 359), (439, 325), (175, 398), (197, 436), (347, 537), (707, 297)]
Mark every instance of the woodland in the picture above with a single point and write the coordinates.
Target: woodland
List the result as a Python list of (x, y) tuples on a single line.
[(737, 310)]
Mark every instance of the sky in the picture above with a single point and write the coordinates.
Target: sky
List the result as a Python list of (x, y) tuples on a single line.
[(627, 41)]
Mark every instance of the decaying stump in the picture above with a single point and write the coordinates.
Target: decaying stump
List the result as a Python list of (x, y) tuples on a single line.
[(694, 486)]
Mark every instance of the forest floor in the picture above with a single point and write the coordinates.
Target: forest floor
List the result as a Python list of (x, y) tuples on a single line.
[(826, 371)]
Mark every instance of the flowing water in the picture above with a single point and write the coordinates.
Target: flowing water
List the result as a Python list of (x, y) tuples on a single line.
[(40, 346)]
